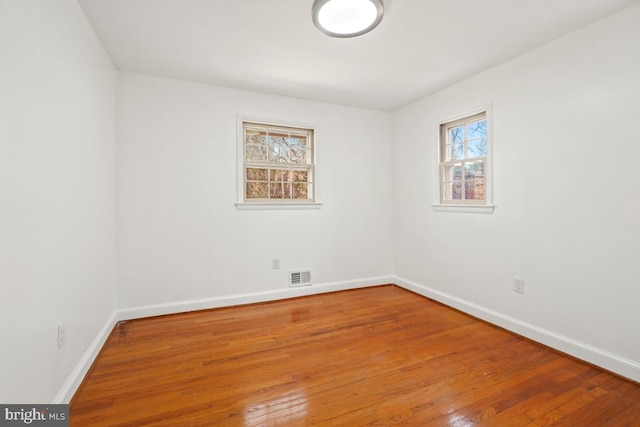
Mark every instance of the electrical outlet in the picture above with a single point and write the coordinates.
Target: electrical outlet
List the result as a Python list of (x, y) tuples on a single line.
[(61, 333), (518, 286), (276, 264)]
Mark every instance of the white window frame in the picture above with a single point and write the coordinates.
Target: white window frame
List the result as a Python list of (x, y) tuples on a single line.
[(471, 206), (275, 204)]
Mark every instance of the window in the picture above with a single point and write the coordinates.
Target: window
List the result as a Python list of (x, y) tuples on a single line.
[(277, 164), (464, 154)]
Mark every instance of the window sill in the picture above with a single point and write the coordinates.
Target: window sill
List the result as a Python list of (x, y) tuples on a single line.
[(479, 209), (266, 206)]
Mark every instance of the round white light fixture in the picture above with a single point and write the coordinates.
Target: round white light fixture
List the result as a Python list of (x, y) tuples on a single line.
[(346, 18)]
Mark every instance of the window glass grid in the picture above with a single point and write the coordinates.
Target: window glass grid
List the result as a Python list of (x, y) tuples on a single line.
[(463, 160), (278, 163)]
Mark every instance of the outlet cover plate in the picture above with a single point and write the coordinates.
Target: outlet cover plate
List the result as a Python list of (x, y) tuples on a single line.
[(518, 286), (61, 334)]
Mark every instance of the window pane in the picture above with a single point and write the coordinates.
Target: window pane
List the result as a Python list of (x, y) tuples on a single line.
[(277, 191), (477, 148), (474, 189), (474, 170), (279, 151), (279, 154), (280, 174), (300, 176), (456, 134), (256, 190), (264, 140), (255, 174), (256, 153), (457, 151), (299, 155), (476, 130), (300, 190)]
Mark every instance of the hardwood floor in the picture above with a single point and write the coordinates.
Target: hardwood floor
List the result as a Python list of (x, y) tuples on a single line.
[(378, 356)]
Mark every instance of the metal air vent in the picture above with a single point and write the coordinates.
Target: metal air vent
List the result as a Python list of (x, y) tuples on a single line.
[(299, 278)]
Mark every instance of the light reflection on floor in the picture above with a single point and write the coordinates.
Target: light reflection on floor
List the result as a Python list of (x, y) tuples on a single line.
[(289, 407)]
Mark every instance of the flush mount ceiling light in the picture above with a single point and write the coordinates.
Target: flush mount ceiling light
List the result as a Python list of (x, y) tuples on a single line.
[(346, 18)]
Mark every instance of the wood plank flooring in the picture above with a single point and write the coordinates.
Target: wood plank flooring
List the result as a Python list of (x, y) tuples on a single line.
[(370, 357)]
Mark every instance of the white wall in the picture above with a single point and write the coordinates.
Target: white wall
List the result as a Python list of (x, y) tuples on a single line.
[(566, 150), (57, 194), (180, 236)]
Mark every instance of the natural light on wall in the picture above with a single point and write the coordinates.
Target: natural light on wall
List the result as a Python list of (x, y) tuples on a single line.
[(346, 18)]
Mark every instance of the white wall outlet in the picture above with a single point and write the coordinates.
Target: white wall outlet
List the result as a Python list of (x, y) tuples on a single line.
[(275, 264), (518, 286), (61, 335)]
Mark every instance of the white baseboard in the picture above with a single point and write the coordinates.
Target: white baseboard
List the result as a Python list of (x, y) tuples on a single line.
[(75, 379), (248, 298), (596, 356)]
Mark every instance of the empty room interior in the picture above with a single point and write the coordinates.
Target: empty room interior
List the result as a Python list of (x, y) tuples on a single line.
[(432, 221)]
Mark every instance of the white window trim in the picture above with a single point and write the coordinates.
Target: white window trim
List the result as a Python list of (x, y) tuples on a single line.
[(262, 206), (479, 209), (488, 207), (283, 205)]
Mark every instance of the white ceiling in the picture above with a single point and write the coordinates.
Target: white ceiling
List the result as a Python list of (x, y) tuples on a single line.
[(420, 47)]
